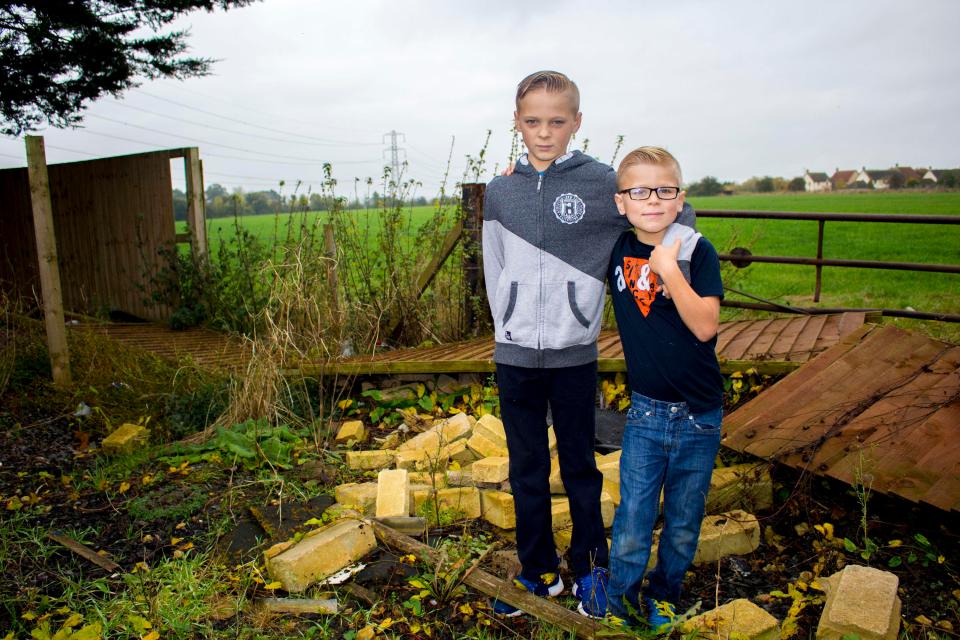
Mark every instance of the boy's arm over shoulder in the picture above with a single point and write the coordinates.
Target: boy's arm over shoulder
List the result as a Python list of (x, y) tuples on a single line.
[(697, 301)]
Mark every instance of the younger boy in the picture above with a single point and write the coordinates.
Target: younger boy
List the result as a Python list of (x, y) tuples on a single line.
[(673, 425)]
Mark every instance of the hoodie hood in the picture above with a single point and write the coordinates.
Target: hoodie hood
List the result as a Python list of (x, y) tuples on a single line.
[(569, 160)]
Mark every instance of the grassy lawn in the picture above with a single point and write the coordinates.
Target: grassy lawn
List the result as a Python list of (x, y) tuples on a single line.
[(789, 284), (844, 287)]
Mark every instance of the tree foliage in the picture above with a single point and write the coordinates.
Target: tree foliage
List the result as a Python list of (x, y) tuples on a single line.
[(55, 57), (709, 186)]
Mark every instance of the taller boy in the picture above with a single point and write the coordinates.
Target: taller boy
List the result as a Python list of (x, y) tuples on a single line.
[(548, 231)]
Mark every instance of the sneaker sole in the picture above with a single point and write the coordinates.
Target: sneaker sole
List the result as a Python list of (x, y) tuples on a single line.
[(580, 608)]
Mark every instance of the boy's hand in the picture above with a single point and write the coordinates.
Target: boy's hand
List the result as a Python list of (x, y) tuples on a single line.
[(508, 170), (663, 259)]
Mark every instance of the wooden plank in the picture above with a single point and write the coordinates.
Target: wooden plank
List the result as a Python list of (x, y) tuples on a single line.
[(784, 348), (741, 422), (761, 347), (739, 348), (84, 551), (728, 331), (891, 435), (839, 394), (943, 494), (196, 216), (807, 340), (47, 259), (504, 590), (849, 321), (730, 348)]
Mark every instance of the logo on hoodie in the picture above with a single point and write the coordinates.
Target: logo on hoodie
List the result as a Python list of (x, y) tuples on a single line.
[(569, 208)]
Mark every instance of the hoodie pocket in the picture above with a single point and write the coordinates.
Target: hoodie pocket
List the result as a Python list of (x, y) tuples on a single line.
[(570, 310), (517, 324)]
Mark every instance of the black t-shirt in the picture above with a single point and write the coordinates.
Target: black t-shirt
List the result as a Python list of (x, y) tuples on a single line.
[(665, 361)]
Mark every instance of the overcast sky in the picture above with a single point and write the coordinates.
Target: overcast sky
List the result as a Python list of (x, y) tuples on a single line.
[(734, 89)]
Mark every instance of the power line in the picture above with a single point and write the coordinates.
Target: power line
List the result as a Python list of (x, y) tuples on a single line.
[(252, 124), (242, 133), (235, 105), (395, 154)]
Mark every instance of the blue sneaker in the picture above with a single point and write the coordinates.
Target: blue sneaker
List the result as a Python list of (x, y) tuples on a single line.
[(591, 590), (549, 584), (660, 614)]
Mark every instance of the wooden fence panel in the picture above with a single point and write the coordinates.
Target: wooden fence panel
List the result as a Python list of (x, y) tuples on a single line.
[(113, 217)]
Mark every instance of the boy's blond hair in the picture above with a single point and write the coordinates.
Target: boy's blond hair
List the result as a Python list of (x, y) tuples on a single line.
[(552, 82), (657, 156)]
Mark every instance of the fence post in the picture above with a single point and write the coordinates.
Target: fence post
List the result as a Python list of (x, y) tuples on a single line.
[(820, 224), (47, 260), (330, 250), (475, 295), (196, 216)]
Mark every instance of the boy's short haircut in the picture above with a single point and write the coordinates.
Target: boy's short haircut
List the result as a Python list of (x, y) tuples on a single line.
[(657, 156), (553, 82)]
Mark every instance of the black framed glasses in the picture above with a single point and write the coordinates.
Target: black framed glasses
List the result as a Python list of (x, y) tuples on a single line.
[(644, 193)]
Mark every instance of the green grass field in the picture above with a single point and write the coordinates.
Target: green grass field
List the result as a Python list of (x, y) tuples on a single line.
[(789, 284)]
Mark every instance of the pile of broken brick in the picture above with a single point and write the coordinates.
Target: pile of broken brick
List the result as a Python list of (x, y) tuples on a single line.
[(459, 466)]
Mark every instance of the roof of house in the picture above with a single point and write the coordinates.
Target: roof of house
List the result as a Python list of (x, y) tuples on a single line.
[(843, 174), (878, 174), (818, 176)]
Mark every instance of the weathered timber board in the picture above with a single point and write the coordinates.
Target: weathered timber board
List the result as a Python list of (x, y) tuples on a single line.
[(881, 407)]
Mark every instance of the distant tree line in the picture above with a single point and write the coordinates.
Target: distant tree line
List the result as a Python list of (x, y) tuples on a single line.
[(221, 203)]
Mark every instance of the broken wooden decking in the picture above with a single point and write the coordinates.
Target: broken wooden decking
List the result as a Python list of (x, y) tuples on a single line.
[(881, 408), (772, 346), (208, 349)]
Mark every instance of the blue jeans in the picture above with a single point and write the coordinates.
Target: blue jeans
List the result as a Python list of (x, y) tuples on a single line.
[(664, 447)]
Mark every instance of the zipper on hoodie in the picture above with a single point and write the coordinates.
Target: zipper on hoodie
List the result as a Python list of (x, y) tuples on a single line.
[(540, 305)]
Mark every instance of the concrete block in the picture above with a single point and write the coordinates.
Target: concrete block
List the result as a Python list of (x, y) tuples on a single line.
[(321, 553), (611, 477), (351, 430), (743, 486), (413, 459), (610, 458), (493, 470), (125, 439), (484, 447), (556, 482), (552, 441), (458, 452), (561, 539), (393, 493), (439, 436), (490, 426), (560, 511), (436, 480), (370, 460), (498, 509), (463, 502), (861, 602), (362, 495), (739, 619), (735, 533)]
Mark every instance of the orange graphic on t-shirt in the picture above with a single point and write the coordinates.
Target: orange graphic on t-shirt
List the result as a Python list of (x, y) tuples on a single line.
[(641, 281)]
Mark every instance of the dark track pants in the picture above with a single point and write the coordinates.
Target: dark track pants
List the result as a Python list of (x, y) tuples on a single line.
[(571, 393)]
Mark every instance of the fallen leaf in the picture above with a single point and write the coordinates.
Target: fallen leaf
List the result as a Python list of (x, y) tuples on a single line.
[(276, 584), (124, 486), (153, 635), (369, 632)]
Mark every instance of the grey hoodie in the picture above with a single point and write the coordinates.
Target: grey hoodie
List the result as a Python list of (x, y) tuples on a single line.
[(547, 240)]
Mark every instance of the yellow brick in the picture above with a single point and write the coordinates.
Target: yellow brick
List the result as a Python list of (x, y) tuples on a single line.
[(458, 452), (360, 495), (370, 460), (439, 436), (125, 439), (393, 493), (410, 460), (436, 480), (493, 470), (737, 619), (498, 509), (743, 486), (351, 430), (560, 511), (735, 533), (321, 554), (484, 447), (556, 482), (463, 501), (491, 427)]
